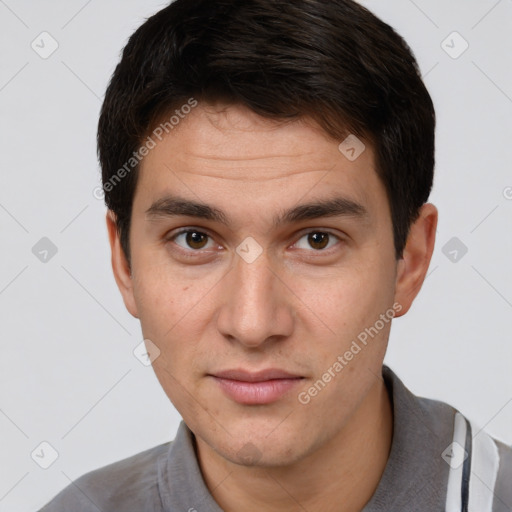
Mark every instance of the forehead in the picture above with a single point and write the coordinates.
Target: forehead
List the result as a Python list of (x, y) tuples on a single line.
[(219, 152), (235, 134)]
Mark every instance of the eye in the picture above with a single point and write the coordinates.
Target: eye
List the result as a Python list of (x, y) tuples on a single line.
[(193, 239), (317, 240)]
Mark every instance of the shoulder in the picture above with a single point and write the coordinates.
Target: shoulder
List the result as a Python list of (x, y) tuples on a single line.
[(130, 484), (467, 465), (480, 466)]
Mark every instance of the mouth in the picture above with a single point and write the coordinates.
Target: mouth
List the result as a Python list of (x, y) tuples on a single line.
[(256, 388)]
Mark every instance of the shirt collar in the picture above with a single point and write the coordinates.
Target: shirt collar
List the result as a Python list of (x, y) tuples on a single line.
[(416, 475), (415, 470)]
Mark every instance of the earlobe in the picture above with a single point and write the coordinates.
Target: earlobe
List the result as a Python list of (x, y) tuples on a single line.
[(413, 266), (120, 265)]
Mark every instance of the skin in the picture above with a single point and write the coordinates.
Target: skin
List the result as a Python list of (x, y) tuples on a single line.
[(296, 307)]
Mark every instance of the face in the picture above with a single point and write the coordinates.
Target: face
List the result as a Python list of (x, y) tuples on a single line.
[(260, 252)]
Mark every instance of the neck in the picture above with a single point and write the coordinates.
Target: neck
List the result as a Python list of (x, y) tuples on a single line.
[(341, 476)]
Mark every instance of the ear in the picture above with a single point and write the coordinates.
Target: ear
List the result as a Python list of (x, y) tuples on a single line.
[(120, 265), (413, 266)]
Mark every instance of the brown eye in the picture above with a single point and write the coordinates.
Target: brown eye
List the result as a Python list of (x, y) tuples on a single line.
[(318, 240), (196, 240), (192, 239)]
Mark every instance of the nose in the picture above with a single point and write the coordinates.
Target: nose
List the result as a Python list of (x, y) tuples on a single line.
[(256, 304)]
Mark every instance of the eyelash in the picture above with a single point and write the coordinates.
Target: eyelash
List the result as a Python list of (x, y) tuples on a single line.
[(173, 237), (190, 251)]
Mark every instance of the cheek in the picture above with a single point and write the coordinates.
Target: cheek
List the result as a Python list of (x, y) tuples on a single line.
[(156, 303), (169, 316), (174, 312), (167, 296), (351, 300), (345, 310)]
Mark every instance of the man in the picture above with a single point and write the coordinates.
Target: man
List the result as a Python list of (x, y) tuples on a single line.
[(266, 167)]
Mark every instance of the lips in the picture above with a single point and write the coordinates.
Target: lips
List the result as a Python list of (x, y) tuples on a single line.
[(256, 388), (261, 376)]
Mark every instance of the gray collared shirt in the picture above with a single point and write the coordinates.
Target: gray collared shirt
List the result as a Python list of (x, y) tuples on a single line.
[(167, 478)]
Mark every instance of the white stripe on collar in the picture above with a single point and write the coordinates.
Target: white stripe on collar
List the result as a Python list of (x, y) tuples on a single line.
[(484, 471), (455, 456), (483, 456)]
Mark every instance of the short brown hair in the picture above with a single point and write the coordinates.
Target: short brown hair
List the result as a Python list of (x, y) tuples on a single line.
[(330, 60)]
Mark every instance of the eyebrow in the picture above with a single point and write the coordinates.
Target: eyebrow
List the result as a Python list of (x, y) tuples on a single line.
[(335, 207), (172, 206)]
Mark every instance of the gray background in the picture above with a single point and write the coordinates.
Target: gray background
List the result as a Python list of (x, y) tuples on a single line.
[(67, 369)]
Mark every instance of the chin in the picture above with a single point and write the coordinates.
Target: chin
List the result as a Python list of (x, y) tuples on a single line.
[(257, 444), (264, 454)]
